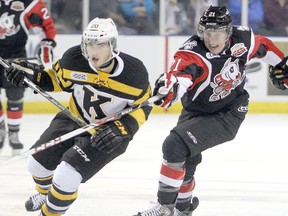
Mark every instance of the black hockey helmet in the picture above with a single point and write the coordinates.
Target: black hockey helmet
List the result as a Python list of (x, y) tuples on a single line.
[(215, 17)]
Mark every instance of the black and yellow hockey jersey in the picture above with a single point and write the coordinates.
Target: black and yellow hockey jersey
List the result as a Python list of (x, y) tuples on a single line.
[(96, 94)]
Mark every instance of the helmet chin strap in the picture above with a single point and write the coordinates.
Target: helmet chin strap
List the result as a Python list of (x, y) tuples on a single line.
[(109, 61)]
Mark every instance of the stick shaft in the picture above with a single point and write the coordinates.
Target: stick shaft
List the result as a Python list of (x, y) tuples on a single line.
[(79, 131), (37, 89)]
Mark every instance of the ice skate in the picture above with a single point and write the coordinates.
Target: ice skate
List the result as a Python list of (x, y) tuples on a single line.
[(35, 202), (190, 209), (15, 144), (158, 210)]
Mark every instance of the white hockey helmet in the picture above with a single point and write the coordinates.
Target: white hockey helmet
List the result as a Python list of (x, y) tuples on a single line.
[(99, 30)]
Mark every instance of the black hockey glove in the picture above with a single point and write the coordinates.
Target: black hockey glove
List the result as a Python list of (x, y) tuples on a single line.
[(15, 76), (110, 136), (35, 19), (46, 53), (279, 74), (167, 86), (21, 69), (28, 65)]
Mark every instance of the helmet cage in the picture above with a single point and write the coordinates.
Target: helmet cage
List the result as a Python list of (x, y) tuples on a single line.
[(99, 31)]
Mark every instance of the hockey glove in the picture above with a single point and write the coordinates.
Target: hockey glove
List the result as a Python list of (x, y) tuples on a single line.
[(15, 76), (279, 74), (110, 136), (46, 51), (35, 19), (19, 70), (23, 64), (167, 86)]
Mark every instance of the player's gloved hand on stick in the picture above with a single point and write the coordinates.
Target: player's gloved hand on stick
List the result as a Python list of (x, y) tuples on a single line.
[(279, 74), (167, 86), (110, 136), (46, 53), (21, 69), (28, 65), (16, 76)]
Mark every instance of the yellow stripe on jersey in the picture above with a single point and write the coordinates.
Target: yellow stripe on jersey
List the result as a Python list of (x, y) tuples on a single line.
[(55, 81), (63, 197), (56, 74), (144, 97), (102, 79), (139, 116), (74, 110)]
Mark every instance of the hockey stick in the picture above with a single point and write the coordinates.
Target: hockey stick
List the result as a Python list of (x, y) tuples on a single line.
[(253, 67), (79, 131), (37, 89), (22, 58)]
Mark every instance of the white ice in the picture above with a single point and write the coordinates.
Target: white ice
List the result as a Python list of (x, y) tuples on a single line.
[(245, 177)]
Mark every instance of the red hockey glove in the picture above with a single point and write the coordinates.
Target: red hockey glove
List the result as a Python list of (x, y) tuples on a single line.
[(279, 74), (46, 51), (167, 86)]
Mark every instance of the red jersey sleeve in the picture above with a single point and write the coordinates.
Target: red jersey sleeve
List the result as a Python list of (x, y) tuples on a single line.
[(265, 49), (38, 17), (189, 65)]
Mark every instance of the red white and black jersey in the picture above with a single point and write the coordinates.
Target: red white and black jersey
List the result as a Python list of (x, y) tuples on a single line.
[(17, 18), (210, 83)]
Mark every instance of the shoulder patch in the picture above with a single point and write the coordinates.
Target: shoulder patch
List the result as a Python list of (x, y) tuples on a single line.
[(79, 76), (238, 49), (17, 6)]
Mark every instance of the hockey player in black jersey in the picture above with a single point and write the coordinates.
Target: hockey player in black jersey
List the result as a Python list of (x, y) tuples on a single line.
[(102, 81), (208, 76)]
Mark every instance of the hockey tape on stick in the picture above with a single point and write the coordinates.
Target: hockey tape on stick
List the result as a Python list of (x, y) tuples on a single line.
[(79, 131), (37, 89)]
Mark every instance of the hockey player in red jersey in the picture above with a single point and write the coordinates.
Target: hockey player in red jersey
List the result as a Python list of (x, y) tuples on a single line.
[(17, 18), (208, 76), (102, 81)]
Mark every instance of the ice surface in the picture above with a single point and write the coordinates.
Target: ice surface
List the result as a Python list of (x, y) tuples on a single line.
[(247, 176)]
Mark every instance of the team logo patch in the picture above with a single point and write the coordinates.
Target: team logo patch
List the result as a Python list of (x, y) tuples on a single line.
[(79, 76), (17, 6), (7, 26), (238, 49), (227, 80)]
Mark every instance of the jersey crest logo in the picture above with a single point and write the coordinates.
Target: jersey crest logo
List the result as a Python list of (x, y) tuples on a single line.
[(7, 26), (227, 80), (238, 49), (189, 45)]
